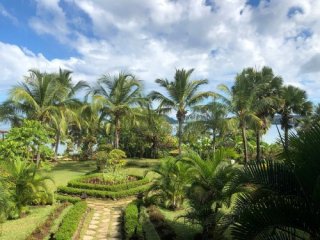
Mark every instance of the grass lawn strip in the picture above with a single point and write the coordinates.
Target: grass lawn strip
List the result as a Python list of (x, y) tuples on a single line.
[(25, 225), (44, 229)]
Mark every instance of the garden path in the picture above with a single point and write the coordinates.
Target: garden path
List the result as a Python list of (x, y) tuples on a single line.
[(106, 221)]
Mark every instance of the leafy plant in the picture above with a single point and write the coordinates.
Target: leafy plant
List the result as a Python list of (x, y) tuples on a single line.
[(281, 198), (208, 192), (170, 186)]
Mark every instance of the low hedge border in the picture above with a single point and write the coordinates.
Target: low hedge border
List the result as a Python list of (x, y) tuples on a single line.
[(71, 221), (103, 194), (132, 225), (66, 198), (77, 183)]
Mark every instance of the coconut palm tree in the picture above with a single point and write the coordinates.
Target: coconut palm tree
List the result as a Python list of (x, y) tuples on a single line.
[(294, 101), (183, 93), (119, 94), (48, 98)]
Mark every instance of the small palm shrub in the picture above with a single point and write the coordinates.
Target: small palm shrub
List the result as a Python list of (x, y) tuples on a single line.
[(169, 187), (208, 192), (26, 185)]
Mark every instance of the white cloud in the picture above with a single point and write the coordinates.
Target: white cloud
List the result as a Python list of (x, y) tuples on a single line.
[(152, 38)]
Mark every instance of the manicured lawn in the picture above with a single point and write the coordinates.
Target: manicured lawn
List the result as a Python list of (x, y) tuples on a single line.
[(21, 228), (64, 171)]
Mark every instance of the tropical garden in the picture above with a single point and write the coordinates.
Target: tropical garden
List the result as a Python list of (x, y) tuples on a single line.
[(187, 161)]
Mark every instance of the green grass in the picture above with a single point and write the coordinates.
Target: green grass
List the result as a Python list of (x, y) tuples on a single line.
[(64, 171), (184, 231), (21, 228)]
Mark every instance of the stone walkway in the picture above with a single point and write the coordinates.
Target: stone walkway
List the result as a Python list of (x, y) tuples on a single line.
[(106, 221)]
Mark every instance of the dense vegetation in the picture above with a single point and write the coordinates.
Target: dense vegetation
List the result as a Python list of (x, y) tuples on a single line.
[(215, 166)]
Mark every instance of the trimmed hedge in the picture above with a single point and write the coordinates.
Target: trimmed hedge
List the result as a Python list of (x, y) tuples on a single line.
[(71, 221), (103, 194), (77, 183), (65, 198), (132, 226)]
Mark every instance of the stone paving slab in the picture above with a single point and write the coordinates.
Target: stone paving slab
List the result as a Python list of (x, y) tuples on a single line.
[(106, 221)]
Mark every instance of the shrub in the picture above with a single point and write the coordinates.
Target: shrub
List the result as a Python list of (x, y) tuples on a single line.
[(132, 226), (116, 160), (101, 158), (65, 198), (71, 221), (103, 194)]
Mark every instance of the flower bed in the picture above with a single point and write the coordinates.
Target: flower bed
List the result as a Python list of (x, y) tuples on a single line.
[(85, 183)]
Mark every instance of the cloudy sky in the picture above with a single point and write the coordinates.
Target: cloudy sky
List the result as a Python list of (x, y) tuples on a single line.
[(151, 38)]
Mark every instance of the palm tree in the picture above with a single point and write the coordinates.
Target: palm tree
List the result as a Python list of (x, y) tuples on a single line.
[(294, 102), (266, 101), (280, 200), (208, 192), (118, 93), (48, 98), (170, 185), (240, 99), (213, 118), (182, 94)]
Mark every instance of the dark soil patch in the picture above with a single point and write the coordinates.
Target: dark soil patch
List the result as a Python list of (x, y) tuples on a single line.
[(44, 230)]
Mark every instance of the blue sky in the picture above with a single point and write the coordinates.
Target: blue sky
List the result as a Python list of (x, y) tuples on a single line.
[(152, 38)]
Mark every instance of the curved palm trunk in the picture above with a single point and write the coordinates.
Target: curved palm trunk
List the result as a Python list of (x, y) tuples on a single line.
[(258, 143), (117, 132), (245, 144)]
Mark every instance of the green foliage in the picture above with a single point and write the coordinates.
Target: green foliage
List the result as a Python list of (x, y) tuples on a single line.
[(170, 186), (26, 185), (208, 192), (101, 158), (80, 183), (26, 142), (5, 201), (116, 160), (132, 225), (281, 198), (66, 198), (71, 221), (104, 194)]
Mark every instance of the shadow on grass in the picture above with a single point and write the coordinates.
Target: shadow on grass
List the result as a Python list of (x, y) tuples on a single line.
[(142, 163), (75, 166), (184, 231)]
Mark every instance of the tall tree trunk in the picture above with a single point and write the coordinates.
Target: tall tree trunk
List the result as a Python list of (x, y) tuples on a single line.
[(258, 138), (245, 145), (180, 117), (56, 146), (214, 143), (117, 132)]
